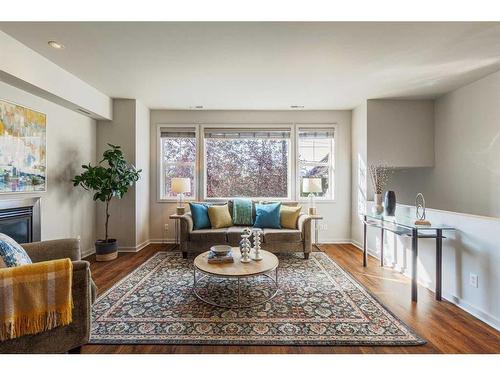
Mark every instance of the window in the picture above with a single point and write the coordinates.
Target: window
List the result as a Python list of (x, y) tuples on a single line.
[(315, 160), (247, 163), (177, 158)]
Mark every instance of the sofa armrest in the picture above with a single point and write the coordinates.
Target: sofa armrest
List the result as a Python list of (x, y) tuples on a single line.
[(62, 338), (303, 221), (54, 249), (186, 223), (186, 228)]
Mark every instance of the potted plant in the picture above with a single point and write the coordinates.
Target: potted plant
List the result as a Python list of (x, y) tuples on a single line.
[(112, 177)]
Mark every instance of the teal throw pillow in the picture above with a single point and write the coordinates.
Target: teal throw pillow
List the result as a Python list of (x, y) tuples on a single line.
[(12, 253), (267, 216), (199, 212)]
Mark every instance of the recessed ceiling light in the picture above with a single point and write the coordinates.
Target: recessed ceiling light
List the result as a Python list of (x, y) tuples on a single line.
[(196, 107), (55, 45), (297, 106)]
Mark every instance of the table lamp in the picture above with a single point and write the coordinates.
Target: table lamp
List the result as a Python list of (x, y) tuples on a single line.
[(180, 186), (312, 185)]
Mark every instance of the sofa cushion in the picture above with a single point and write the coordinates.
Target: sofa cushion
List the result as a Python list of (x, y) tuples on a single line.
[(282, 235), (289, 216), (234, 235), (199, 212), (268, 216), (220, 217), (209, 235)]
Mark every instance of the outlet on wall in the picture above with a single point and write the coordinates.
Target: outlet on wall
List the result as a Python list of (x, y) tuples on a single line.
[(165, 227), (473, 280)]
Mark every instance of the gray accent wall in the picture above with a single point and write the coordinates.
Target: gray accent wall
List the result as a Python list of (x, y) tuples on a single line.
[(335, 227)]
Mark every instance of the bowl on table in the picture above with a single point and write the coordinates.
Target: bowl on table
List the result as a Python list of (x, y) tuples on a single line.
[(220, 250)]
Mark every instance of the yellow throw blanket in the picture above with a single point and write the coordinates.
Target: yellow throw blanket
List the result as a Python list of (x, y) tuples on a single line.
[(35, 298)]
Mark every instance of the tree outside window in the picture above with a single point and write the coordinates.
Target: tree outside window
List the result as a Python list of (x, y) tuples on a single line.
[(316, 158), (247, 164), (178, 159)]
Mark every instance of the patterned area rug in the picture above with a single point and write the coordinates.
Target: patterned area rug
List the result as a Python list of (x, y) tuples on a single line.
[(318, 304)]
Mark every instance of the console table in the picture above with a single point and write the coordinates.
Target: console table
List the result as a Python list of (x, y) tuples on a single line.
[(406, 227)]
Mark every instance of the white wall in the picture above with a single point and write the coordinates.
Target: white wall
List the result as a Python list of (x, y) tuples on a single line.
[(401, 132), (337, 214), (465, 179), (22, 67), (358, 169), (472, 248), (66, 211)]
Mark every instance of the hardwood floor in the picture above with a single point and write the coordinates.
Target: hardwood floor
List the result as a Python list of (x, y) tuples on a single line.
[(446, 328)]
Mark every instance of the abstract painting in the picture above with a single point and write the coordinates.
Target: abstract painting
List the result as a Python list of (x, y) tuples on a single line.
[(22, 149)]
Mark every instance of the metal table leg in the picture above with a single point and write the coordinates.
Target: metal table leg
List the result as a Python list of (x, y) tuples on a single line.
[(239, 293), (316, 234), (382, 248), (365, 253), (439, 263), (414, 258)]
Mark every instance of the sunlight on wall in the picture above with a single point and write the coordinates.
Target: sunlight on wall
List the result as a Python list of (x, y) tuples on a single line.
[(361, 185)]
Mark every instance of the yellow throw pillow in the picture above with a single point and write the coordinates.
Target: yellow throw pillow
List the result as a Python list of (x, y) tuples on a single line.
[(219, 216), (289, 216)]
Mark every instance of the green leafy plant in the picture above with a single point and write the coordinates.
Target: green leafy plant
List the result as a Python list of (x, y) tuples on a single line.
[(112, 177)]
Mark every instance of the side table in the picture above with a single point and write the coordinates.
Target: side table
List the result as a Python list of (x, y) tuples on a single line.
[(177, 229), (316, 218)]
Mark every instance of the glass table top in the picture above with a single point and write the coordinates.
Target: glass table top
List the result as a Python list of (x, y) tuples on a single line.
[(405, 222)]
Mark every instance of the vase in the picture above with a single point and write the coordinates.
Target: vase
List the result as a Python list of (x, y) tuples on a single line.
[(390, 203), (378, 209)]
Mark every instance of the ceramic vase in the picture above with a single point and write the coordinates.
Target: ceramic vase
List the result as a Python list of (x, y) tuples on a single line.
[(378, 209), (390, 203)]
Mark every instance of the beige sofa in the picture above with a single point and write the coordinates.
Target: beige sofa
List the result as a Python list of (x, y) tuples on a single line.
[(274, 240)]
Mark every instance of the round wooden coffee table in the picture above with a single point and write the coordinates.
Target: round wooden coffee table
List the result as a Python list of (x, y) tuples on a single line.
[(238, 271)]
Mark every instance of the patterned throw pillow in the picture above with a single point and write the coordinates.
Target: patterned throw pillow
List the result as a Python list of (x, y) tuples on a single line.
[(12, 253), (242, 211)]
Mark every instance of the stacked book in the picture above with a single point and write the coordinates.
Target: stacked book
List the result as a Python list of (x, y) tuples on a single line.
[(214, 257)]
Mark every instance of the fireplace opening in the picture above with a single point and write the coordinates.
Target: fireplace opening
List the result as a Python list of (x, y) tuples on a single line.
[(20, 219)]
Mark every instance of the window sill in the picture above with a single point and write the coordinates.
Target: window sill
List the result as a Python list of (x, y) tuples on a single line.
[(317, 201), (174, 200)]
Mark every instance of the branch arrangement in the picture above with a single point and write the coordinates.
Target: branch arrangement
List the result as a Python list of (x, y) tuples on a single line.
[(379, 176)]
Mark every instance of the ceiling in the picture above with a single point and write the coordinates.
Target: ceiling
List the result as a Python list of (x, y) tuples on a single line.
[(257, 65)]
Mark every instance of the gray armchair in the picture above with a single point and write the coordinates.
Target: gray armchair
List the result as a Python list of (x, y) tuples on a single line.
[(67, 338)]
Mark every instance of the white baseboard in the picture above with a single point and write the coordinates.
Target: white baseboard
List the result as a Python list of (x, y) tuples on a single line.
[(88, 252), (162, 240), (133, 249), (332, 241), (478, 313)]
